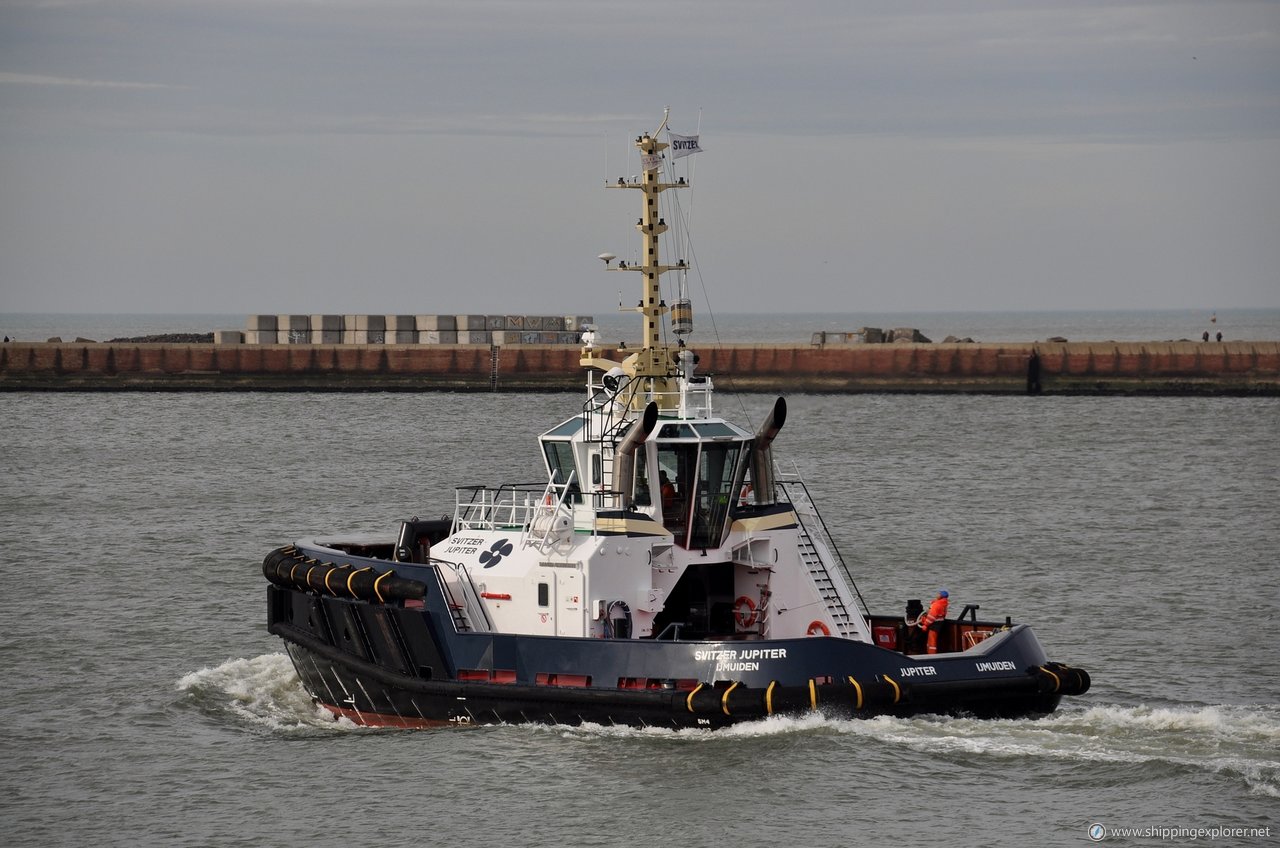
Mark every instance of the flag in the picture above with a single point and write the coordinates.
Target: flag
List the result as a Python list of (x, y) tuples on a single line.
[(683, 145)]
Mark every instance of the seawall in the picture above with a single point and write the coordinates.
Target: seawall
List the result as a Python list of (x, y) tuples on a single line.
[(1157, 368)]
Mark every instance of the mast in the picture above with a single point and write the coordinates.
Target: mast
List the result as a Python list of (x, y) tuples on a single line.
[(655, 363)]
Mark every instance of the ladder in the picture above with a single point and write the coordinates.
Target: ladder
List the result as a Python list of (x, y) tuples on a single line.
[(459, 608), (810, 525), (825, 585)]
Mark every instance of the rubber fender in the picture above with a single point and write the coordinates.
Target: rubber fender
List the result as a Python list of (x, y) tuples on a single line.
[(287, 567), (1057, 679), (313, 572), (1085, 681), (1046, 681), (1072, 681), (858, 695), (740, 701), (789, 700), (733, 699), (705, 698), (372, 585), (278, 564), (271, 563)]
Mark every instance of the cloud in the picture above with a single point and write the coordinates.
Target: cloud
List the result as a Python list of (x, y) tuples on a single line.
[(38, 79), (262, 153)]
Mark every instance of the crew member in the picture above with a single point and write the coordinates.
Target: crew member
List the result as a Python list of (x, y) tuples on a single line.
[(668, 492), (937, 612)]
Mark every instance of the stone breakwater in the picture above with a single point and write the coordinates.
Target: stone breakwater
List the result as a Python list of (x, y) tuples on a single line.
[(1170, 368)]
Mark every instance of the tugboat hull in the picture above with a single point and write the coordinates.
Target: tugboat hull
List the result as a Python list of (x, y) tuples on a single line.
[(387, 665)]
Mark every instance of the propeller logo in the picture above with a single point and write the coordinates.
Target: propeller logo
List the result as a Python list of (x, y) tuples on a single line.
[(496, 552)]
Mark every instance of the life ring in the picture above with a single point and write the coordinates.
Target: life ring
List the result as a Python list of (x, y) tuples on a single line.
[(816, 628), (744, 611)]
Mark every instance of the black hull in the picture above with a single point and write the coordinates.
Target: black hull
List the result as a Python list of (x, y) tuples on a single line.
[(392, 665)]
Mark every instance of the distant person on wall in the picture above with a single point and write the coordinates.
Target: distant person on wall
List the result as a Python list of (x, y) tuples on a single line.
[(1206, 335), (1219, 335)]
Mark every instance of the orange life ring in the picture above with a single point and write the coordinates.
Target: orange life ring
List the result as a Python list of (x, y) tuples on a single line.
[(816, 627), (744, 611)]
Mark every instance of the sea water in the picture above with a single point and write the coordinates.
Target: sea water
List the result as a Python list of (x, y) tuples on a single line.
[(145, 704)]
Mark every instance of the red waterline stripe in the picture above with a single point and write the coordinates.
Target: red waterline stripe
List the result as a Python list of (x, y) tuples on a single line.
[(367, 719)]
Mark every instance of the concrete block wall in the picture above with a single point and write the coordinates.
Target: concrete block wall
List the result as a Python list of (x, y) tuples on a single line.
[(261, 324), (369, 323), (435, 323), (365, 329), (326, 329), (293, 329), (410, 329), (401, 329)]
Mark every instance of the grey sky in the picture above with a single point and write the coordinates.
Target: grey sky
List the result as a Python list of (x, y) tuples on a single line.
[(377, 156)]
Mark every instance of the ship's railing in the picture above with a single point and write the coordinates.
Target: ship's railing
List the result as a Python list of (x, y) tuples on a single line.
[(695, 396), (460, 592), (552, 523), (692, 397), (538, 509), (792, 488), (511, 506)]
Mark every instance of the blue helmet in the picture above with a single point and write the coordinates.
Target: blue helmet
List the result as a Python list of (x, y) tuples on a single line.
[(944, 593)]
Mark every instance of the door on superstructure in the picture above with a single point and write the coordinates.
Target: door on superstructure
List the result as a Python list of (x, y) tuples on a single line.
[(559, 599), (569, 603), (544, 611)]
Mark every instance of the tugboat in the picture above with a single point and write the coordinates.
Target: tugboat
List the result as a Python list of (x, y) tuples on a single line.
[(665, 574)]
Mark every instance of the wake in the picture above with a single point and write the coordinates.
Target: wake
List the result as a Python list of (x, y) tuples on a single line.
[(1235, 741)]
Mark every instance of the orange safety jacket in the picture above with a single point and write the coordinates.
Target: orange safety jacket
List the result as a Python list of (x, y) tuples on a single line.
[(937, 611)]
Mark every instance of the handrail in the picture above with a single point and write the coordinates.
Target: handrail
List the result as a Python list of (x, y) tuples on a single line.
[(489, 509), (692, 397), (553, 502), (674, 625), (826, 536), (471, 597), (474, 596)]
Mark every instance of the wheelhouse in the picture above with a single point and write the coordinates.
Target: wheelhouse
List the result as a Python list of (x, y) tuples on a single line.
[(687, 474)]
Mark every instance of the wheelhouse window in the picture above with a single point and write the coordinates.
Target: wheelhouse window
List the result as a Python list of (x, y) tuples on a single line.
[(559, 460), (717, 471), (699, 481), (640, 495)]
